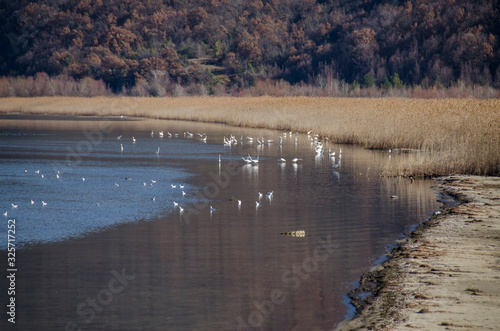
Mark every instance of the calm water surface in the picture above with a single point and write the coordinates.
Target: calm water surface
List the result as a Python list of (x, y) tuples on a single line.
[(112, 252)]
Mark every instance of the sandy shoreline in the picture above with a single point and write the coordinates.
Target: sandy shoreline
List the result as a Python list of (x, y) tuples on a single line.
[(446, 274)]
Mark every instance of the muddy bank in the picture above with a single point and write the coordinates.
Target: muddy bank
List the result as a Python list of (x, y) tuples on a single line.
[(446, 274)]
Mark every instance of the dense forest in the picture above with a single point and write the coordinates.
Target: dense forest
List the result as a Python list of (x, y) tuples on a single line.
[(157, 47)]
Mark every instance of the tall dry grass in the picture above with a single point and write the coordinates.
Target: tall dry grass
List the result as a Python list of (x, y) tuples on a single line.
[(443, 136)]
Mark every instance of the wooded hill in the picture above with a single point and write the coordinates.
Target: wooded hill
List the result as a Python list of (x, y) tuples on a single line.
[(136, 45)]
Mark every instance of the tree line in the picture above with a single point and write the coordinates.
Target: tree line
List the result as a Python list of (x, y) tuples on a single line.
[(179, 47)]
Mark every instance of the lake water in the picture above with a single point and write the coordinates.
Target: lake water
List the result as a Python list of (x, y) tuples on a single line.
[(112, 252)]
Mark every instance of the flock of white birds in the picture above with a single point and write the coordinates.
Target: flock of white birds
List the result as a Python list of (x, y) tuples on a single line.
[(317, 143)]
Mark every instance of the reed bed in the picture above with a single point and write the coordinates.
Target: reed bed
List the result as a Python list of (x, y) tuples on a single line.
[(439, 136)]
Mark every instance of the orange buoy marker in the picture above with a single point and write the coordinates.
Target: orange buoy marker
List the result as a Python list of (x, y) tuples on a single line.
[(299, 233)]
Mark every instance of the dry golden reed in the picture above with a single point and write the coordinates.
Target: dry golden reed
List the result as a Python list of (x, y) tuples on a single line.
[(441, 136)]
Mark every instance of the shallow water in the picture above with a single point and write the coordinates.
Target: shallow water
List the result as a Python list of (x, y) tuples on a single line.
[(103, 254)]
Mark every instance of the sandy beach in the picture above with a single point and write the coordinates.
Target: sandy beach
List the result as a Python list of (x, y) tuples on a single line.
[(446, 274)]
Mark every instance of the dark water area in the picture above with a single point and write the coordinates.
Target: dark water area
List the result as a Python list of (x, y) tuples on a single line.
[(113, 252)]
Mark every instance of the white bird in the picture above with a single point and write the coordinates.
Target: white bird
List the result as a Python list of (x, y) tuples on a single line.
[(173, 186), (212, 208), (281, 160), (144, 184), (280, 139), (257, 204), (119, 137), (57, 176), (219, 159), (239, 203), (43, 176), (116, 184), (260, 195), (32, 202), (181, 209), (229, 142), (153, 198), (5, 214), (44, 203), (152, 133), (319, 148), (37, 171), (269, 195), (295, 160), (160, 134), (204, 139), (176, 204), (14, 206), (121, 147), (25, 170), (181, 186), (183, 193), (134, 140), (169, 134), (83, 179), (248, 159), (158, 151), (153, 181)]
